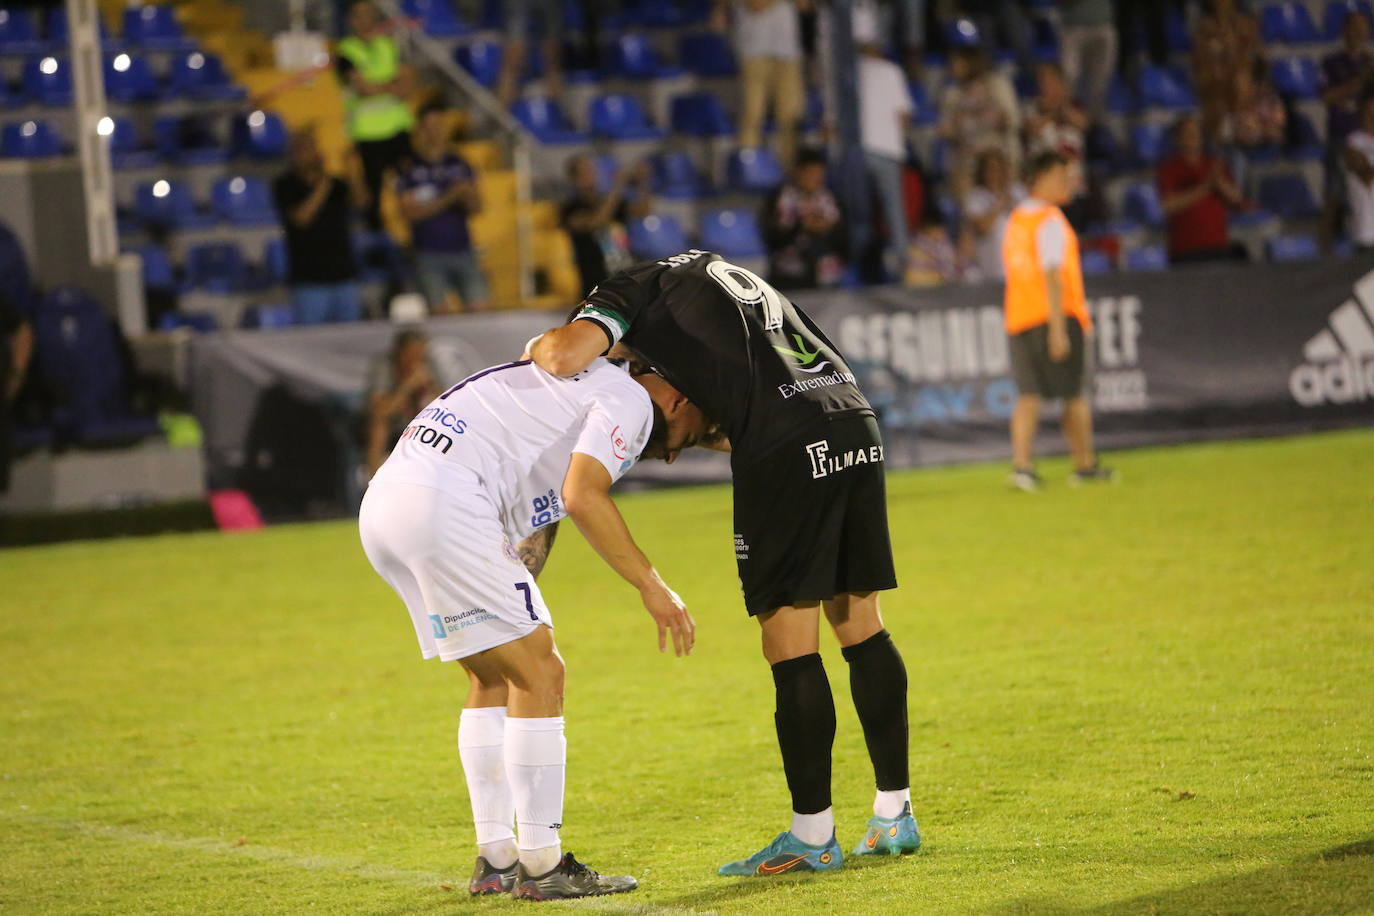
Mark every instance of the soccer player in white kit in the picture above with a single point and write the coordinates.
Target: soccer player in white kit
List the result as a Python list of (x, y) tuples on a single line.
[(504, 453)]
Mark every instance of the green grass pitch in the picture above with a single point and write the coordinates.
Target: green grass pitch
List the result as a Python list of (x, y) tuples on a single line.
[(1156, 697)]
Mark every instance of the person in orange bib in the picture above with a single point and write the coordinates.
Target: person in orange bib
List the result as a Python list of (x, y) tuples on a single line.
[(1048, 324)]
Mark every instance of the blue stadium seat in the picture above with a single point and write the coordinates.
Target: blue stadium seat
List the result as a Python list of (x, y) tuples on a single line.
[(258, 135), (202, 76), (128, 78), (1096, 261), (701, 114), (154, 26), (169, 205), (1333, 19), (1284, 249), (676, 177), (734, 233), (275, 266), (656, 237), (1288, 23), (927, 112), (635, 57), (1288, 196), (482, 59), (29, 140), (127, 149), (667, 14), (1149, 143), (48, 80), (754, 170), (188, 140), (18, 34), (606, 169), (200, 322), (1167, 87), (216, 267), (244, 200), (1297, 77), (267, 317), (1142, 205), (158, 272), (77, 353), (437, 18), (618, 116), (545, 119), (1045, 39), (1147, 258), (707, 54)]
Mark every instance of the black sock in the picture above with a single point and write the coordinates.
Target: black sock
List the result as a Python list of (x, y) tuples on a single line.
[(805, 718), (877, 679)]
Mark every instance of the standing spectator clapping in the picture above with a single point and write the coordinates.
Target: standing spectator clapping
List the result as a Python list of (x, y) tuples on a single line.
[(1258, 119), (1196, 192), (1226, 41), (804, 228)]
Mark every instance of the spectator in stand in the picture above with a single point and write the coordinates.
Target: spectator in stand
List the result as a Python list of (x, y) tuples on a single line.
[(546, 16), (977, 112), (596, 222), (399, 384), (316, 212), (376, 85), (803, 227), (1347, 75), (1259, 119), (1226, 42), (1089, 44), (1148, 19), (437, 190), (1359, 176), (932, 259), (16, 348), (885, 111), (1055, 122), (1196, 191), (768, 44), (1002, 23), (985, 210)]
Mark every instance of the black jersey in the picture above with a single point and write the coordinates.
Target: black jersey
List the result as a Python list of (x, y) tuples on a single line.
[(743, 353)]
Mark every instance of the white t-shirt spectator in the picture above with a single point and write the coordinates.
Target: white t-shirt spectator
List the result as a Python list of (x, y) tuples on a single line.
[(979, 203), (1361, 194), (883, 98), (770, 32)]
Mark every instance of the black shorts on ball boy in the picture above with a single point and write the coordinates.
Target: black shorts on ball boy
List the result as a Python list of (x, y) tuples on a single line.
[(1037, 374)]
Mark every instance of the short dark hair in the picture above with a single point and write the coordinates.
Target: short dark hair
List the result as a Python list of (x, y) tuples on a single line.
[(810, 156), (1043, 162), (433, 106)]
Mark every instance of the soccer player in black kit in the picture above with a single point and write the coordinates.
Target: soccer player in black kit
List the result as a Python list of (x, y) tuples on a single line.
[(810, 516)]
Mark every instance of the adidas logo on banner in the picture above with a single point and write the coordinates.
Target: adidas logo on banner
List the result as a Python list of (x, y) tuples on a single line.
[(1338, 365)]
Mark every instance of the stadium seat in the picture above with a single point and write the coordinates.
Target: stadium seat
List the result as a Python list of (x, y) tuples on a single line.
[(606, 169), (128, 78), (200, 322), (154, 26), (437, 18), (1288, 23), (18, 34), (1167, 87), (1296, 77), (158, 272), (217, 267), (656, 237), (267, 317), (29, 140), (1333, 19), (48, 80), (77, 353), (754, 170), (275, 266), (258, 135), (188, 140), (1142, 205), (1149, 143), (201, 76), (1147, 258), (707, 54), (167, 204), (734, 233), (1288, 196), (127, 149), (1096, 261), (701, 114), (927, 112), (618, 116), (482, 59), (676, 177), (243, 201), (1284, 249), (636, 58), (545, 119)]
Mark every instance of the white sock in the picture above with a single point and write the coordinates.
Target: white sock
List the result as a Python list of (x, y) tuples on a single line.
[(536, 757), (814, 829), (890, 804), (481, 745)]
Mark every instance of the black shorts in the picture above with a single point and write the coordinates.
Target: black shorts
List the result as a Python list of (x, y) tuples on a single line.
[(1036, 373), (811, 518)]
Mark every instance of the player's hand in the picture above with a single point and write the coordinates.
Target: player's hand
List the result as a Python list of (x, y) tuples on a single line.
[(1059, 344), (671, 615)]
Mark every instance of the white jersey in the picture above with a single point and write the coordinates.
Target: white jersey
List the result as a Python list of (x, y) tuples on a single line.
[(515, 428)]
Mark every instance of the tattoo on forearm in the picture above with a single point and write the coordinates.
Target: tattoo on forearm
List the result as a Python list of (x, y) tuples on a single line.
[(534, 550)]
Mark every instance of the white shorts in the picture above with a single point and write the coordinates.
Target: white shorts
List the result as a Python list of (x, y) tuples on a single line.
[(445, 554)]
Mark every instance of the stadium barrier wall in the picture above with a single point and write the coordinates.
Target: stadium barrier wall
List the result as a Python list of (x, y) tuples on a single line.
[(1206, 352)]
